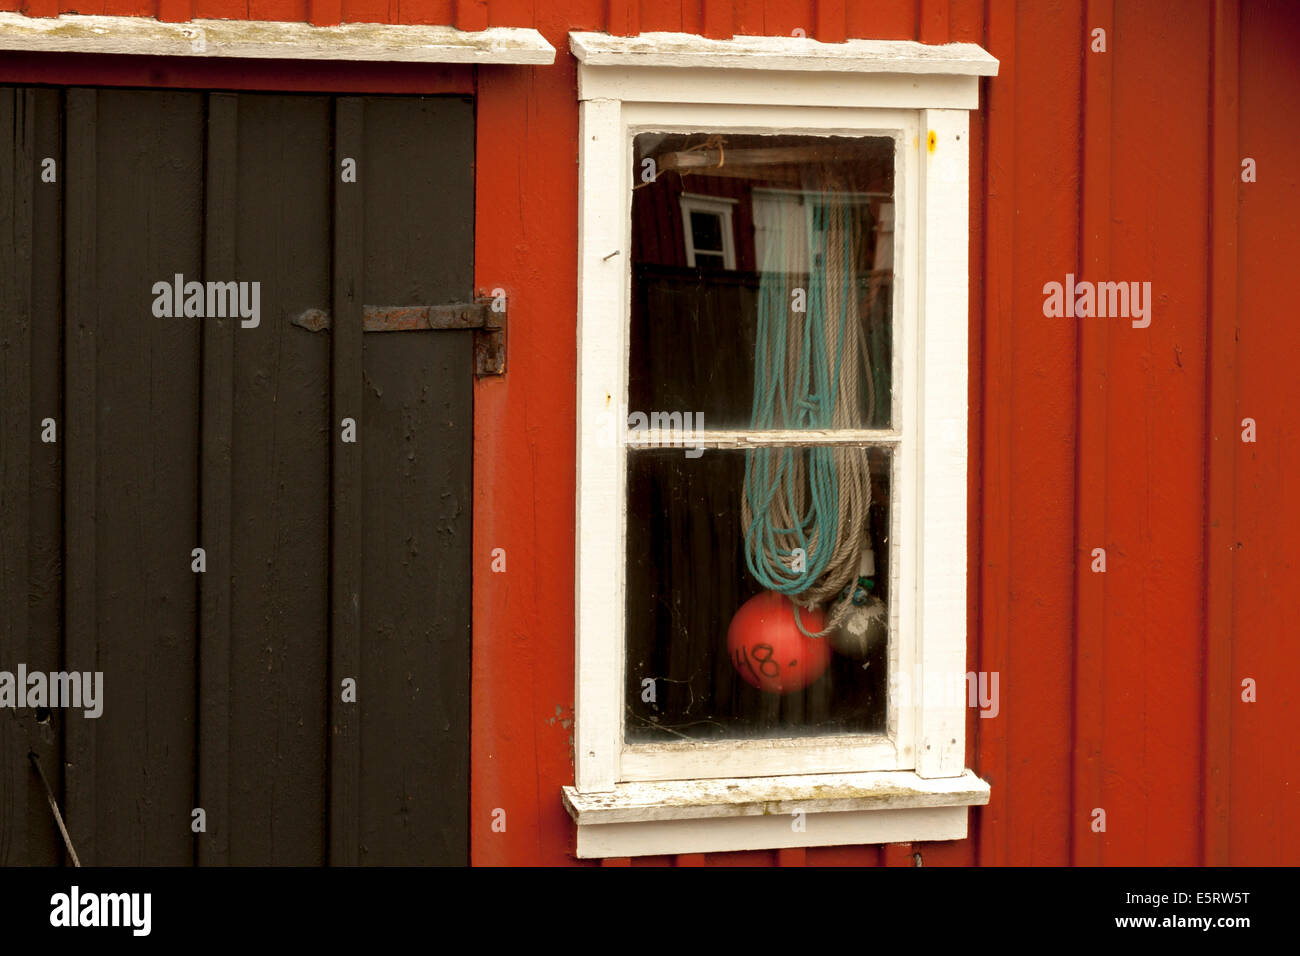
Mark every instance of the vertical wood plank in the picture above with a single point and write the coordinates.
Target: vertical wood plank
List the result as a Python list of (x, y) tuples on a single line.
[(1263, 761), (897, 854), (280, 494), (655, 16), (215, 480), (692, 16), (933, 21), (892, 21), (149, 222), (830, 21), (1154, 442), (44, 578), (1091, 456), (941, 607), (17, 162), (994, 832), (1222, 434), (175, 11), (81, 322), (471, 15), (417, 181), (346, 493), (623, 17), (602, 378), (1040, 419), (719, 19), (324, 13), (41, 8), (749, 18)]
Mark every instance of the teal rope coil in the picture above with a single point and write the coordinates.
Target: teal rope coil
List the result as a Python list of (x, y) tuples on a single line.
[(802, 381)]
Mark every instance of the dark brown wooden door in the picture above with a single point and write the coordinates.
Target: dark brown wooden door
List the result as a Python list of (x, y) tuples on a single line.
[(326, 559)]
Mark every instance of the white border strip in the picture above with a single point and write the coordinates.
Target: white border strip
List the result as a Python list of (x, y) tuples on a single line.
[(782, 53), (273, 40), (765, 796), (845, 828)]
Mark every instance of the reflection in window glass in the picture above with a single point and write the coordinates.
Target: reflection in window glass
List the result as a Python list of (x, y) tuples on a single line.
[(811, 222), (758, 578), (688, 577)]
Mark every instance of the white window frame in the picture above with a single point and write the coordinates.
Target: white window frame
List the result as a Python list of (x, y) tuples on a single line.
[(894, 749), (718, 206), (910, 783)]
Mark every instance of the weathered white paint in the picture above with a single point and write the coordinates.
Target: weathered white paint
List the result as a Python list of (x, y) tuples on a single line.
[(733, 438), (73, 33), (642, 84), (849, 828), (604, 217), (783, 53), (941, 491), (688, 760), (699, 760), (764, 796), (692, 202), (928, 534)]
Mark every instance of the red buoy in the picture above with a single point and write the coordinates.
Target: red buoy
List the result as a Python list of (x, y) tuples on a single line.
[(767, 647)]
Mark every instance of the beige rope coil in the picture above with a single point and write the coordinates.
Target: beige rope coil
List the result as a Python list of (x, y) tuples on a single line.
[(851, 462)]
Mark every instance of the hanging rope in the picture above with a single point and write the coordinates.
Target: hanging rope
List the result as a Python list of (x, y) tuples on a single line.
[(54, 807), (806, 376)]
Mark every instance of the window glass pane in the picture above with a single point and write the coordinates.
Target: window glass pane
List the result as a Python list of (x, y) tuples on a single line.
[(714, 654), (799, 334), (706, 231)]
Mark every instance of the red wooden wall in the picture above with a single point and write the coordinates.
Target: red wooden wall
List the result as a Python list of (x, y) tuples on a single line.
[(1120, 691)]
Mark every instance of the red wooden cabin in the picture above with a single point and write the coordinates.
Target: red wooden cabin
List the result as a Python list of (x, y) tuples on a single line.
[(1159, 690)]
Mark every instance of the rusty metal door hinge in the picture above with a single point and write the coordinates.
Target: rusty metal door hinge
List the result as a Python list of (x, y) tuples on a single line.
[(489, 327)]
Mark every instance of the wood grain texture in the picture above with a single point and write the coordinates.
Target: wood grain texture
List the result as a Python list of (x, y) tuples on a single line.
[(416, 404), (17, 178), (1154, 417), (215, 479), (1092, 452), (198, 37), (45, 644), (1135, 682), (232, 74), (149, 228), (81, 325), (1264, 764), (1223, 436), (281, 491), (346, 490), (203, 431)]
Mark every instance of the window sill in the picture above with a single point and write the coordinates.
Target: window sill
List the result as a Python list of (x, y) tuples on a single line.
[(754, 813)]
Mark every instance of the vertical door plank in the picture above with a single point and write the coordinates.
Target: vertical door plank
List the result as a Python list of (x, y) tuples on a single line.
[(45, 479), (149, 223), (346, 494), (417, 180), (215, 488), (81, 321), (16, 163), (280, 614)]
